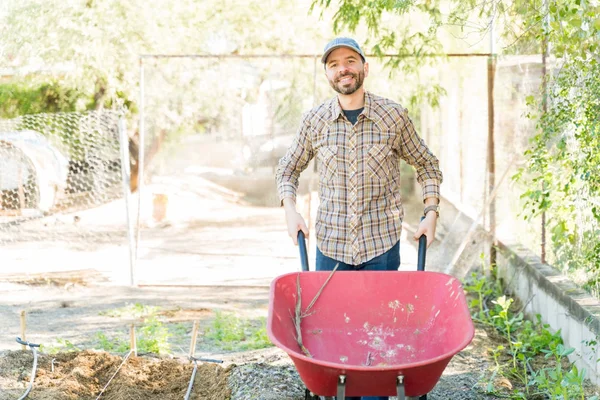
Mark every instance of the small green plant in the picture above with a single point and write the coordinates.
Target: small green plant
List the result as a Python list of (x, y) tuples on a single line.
[(483, 287), (115, 345), (61, 346), (231, 333), (153, 337), (524, 342), (136, 310), (558, 383)]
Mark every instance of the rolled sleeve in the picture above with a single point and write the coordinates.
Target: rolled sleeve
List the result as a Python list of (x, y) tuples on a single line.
[(286, 190), (431, 188)]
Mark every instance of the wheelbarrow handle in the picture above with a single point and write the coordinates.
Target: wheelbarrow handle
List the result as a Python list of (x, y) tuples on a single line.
[(422, 251), (303, 252)]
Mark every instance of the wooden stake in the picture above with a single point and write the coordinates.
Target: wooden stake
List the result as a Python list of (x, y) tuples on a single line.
[(132, 343), (23, 326), (194, 337)]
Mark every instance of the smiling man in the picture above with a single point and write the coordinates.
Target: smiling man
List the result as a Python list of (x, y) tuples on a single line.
[(358, 139)]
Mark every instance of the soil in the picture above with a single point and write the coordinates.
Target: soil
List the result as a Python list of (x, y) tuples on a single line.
[(84, 375), (263, 374)]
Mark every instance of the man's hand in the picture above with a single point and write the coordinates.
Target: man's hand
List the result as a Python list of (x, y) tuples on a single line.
[(427, 228), (294, 220)]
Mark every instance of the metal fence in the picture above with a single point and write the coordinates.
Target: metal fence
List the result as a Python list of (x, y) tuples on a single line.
[(480, 153), (227, 120), (61, 193), (212, 131)]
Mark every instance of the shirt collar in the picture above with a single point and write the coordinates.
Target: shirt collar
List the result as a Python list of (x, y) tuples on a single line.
[(368, 110)]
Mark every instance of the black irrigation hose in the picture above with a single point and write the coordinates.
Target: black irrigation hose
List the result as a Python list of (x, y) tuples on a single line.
[(32, 346)]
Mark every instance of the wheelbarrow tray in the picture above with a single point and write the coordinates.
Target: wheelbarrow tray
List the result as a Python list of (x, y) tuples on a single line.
[(371, 327)]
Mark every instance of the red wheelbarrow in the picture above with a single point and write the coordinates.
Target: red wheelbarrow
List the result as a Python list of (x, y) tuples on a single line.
[(380, 333)]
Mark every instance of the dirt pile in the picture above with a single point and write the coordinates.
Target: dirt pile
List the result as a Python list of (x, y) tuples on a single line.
[(83, 376)]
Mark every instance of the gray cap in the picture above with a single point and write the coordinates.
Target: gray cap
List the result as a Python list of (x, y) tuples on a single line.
[(341, 42)]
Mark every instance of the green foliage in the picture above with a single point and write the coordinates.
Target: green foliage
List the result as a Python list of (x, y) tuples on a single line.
[(525, 341), (61, 346), (136, 310), (96, 46), (113, 345), (558, 383), (231, 333), (563, 168), (152, 336), (414, 47), (20, 98)]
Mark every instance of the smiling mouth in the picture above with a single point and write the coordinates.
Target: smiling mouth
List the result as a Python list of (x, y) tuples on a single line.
[(345, 79)]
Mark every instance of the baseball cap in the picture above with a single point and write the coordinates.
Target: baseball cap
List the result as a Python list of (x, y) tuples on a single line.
[(341, 42)]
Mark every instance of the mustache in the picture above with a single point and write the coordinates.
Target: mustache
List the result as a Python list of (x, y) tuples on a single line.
[(339, 77)]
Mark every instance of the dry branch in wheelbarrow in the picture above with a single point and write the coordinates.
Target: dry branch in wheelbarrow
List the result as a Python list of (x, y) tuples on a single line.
[(299, 314)]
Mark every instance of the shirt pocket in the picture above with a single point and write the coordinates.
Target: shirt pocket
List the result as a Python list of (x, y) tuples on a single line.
[(378, 163), (329, 164)]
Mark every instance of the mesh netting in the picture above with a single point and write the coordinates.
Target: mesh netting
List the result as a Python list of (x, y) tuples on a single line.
[(58, 165)]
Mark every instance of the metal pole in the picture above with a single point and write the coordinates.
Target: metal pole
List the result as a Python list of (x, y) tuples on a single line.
[(255, 56), (491, 142), (140, 182), (126, 175), (544, 110), (191, 384)]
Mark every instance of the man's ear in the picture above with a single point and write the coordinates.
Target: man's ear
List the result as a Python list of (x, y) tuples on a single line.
[(366, 69)]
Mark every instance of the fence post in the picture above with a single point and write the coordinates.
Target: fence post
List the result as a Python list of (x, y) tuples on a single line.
[(126, 174), (491, 142)]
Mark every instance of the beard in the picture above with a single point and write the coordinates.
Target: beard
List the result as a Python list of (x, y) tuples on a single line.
[(350, 87)]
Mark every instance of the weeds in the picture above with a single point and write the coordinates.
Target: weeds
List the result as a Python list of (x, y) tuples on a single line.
[(61, 346), (228, 332), (529, 345), (152, 336)]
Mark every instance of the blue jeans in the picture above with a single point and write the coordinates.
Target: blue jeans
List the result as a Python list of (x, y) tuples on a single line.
[(388, 261)]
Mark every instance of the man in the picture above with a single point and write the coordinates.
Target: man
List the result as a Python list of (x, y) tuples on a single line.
[(358, 139)]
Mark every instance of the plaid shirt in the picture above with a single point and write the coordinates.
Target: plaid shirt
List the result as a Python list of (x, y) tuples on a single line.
[(360, 212)]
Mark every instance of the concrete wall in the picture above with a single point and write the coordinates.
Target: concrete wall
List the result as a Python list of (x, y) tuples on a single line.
[(543, 289), (559, 301)]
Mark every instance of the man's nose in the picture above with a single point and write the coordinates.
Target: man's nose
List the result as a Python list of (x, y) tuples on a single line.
[(344, 68)]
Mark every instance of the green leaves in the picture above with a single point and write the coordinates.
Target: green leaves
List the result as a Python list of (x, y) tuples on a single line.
[(527, 343), (563, 166)]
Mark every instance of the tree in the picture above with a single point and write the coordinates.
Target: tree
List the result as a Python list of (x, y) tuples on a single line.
[(97, 45), (567, 141)]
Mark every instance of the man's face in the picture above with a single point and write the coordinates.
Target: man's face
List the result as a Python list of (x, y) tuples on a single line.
[(345, 70)]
